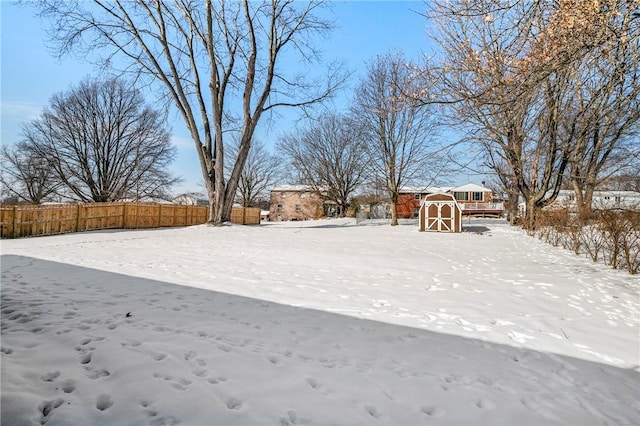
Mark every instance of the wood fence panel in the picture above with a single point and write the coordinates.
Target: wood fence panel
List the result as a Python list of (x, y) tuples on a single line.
[(245, 215), (251, 216), (102, 216), (171, 215), (31, 220), (237, 215), (7, 214), (197, 215), (145, 215), (35, 220), (63, 219)]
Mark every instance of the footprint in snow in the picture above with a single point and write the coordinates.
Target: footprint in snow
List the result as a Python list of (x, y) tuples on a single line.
[(432, 411), (96, 374), (200, 372), (292, 419), (313, 383), (233, 403), (46, 407), (103, 402), (50, 377), (486, 404), (216, 380), (68, 386), (372, 411), (273, 359), (158, 356), (85, 359)]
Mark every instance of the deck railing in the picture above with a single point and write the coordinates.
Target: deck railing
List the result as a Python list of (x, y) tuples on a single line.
[(471, 206)]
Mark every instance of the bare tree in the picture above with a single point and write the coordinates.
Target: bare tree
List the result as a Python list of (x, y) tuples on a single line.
[(508, 89), (605, 107), (515, 73), (399, 128), (212, 59), (330, 156), (260, 172), (26, 176), (102, 143)]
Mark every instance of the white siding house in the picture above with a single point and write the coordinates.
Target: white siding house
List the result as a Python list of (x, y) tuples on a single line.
[(604, 199)]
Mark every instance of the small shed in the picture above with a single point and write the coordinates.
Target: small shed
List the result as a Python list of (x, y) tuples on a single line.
[(440, 213)]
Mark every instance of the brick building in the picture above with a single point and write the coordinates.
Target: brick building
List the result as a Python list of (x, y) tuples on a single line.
[(295, 202)]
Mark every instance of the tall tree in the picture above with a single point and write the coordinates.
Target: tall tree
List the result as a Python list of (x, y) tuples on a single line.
[(102, 143), (605, 108), (26, 176), (330, 156), (399, 128), (212, 59)]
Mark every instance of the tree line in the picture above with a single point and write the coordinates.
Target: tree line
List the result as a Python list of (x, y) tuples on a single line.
[(97, 142), (547, 91), (544, 93)]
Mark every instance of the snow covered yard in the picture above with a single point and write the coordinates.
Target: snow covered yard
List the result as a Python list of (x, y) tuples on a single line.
[(319, 322)]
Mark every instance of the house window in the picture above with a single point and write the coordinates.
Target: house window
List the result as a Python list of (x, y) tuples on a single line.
[(617, 199), (477, 196), (298, 207), (416, 197), (416, 211), (279, 208), (461, 196)]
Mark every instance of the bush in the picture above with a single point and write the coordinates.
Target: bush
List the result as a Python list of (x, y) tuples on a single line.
[(609, 235)]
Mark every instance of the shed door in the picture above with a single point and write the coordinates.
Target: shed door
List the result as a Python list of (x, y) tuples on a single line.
[(441, 217)]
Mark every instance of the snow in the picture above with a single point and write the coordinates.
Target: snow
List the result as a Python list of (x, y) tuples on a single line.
[(318, 322), (471, 187)]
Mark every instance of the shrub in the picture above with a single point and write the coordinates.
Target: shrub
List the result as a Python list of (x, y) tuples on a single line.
[(612, 234)]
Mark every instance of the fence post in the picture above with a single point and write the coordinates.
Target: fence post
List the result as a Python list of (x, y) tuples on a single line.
[(159, 215), (78, 217), (14, 225), (124, 215), (135, 215)]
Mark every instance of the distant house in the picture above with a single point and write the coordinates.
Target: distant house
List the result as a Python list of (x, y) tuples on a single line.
[(603, 199), (476, 200), (473, 200), (191, 199), (409, 200), (295, 202)]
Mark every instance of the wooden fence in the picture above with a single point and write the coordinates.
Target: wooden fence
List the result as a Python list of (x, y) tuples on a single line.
[(35, 220)]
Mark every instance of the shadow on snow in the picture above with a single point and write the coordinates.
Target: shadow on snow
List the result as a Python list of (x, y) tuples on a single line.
[(487, 383)]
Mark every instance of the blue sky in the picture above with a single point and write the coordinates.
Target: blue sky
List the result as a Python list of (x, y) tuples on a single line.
[(30, 74)]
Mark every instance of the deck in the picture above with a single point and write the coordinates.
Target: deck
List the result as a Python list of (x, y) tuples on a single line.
[(481, 209)]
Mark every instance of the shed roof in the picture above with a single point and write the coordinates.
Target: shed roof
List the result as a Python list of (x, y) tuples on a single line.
[(439, 196)]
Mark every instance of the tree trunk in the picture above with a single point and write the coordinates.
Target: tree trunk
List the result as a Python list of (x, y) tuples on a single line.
[(588, 200), (394, 211), (531, 215), (513, 197), (584, 199)]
